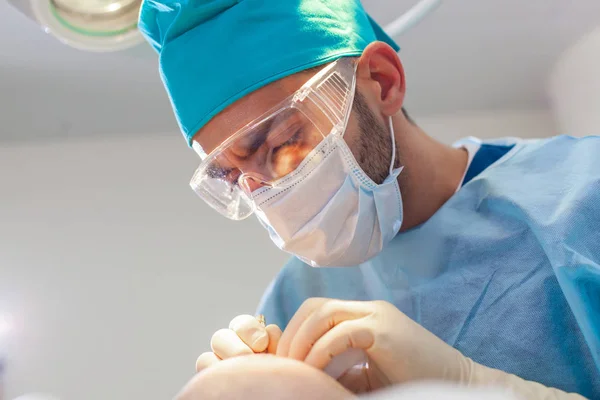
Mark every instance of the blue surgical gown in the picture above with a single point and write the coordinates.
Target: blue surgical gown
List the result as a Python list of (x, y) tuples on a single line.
[(507, 271)]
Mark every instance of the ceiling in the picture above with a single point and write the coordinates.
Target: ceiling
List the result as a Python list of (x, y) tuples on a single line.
[(469, 55)]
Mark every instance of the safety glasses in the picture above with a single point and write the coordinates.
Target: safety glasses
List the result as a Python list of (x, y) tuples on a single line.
[(272, 146)]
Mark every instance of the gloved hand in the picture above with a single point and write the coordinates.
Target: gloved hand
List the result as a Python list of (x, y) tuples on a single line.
[(399, 350), (245, 335)]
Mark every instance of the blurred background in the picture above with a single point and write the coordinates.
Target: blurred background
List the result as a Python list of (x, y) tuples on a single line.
[(114, 275)]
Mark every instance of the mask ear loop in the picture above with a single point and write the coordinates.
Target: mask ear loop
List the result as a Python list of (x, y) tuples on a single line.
[(393, 145)]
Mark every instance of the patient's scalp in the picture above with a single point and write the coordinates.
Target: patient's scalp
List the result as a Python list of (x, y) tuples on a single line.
[(262, 376)]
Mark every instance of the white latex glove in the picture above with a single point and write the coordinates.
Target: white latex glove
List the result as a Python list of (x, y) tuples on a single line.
[(399, 350), (245, 335), (440, 391)]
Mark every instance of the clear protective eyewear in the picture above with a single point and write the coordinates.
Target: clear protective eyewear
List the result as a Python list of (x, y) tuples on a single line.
[(275, 144)]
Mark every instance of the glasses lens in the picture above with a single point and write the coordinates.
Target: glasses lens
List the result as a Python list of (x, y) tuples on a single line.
[(227, 199), (263, 153)]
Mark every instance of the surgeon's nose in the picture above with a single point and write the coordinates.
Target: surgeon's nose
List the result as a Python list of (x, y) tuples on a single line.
[(250, 183)]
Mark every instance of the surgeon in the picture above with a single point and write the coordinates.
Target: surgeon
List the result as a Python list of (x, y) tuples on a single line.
[(476, 263)]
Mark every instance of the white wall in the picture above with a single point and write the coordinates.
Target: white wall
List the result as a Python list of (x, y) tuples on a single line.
[(490, 124), (574, 86), (115, 270), (117, 275)]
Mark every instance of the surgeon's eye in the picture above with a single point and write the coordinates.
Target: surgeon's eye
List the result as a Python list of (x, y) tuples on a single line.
[(286, 157), (290, 141)]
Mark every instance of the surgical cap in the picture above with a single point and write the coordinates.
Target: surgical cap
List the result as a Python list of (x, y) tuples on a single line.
[(214, 52)]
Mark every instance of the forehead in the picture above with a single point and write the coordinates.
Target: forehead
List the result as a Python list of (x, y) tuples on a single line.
[(248, 108)]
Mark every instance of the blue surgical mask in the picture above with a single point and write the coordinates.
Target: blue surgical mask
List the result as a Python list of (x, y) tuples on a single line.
[(329, 212)]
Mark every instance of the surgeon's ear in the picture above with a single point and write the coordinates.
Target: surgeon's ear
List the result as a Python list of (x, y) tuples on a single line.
[(380, 77)]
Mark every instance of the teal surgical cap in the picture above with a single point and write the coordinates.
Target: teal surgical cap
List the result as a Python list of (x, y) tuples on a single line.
[(214, 52)]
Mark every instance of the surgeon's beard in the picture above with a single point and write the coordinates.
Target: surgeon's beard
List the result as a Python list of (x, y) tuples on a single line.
[(373, 149)]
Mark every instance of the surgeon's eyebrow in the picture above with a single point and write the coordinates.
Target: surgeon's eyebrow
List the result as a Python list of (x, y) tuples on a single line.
[(258, 138)]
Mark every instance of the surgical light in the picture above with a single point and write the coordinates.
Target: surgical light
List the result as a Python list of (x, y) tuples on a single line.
[(92, 25)]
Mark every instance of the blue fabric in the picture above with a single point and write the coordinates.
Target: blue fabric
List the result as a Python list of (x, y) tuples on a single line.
[(214, 52), (485, 156), (507, 271)]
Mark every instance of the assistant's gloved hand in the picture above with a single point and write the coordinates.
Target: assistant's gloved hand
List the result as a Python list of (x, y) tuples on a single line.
[(245, 335), (399, 350)]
